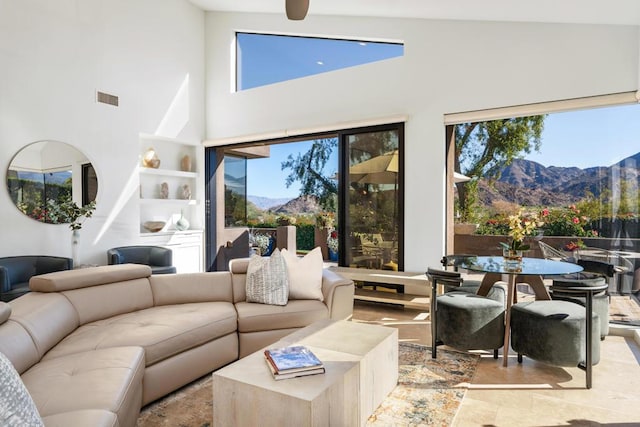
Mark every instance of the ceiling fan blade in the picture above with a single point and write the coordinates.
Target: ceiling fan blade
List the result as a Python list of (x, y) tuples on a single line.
[(297, 9)]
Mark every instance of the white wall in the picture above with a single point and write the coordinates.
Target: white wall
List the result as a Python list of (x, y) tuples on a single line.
[(448, 66), (54, 55)]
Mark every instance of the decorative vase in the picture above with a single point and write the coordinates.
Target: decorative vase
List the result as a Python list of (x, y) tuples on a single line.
[(185, 163), (75, 243), (333, 255), (512, 259), (182, 223), (150, 159)]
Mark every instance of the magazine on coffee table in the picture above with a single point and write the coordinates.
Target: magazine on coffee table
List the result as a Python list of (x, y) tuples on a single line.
[(293, 360)]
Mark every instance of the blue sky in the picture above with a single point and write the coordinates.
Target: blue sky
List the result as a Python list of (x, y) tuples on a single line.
[(588, 138), (274, 186), (265, 59)]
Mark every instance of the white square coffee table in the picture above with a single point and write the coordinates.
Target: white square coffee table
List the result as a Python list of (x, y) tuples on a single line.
[(361, 363)]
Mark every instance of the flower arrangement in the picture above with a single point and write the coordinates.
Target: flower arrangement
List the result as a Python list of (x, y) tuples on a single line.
[(332, 241), (521, 226), (261, 241)]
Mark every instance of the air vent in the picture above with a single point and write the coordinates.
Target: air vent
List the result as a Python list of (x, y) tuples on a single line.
[(106, 98)]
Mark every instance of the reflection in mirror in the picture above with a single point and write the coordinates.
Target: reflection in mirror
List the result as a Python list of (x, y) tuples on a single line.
[(46, 176)]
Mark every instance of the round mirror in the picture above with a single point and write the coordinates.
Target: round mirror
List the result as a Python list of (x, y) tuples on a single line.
[(46, 177)]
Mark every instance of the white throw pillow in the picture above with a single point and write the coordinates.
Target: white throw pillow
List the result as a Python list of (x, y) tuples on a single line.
[(16, 406), (305, 274), (267, 280)]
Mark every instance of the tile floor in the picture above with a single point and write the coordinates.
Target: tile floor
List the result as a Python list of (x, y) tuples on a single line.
[(534, 394)]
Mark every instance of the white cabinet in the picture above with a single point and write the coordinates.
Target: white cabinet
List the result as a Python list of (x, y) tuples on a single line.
[(186, 246)]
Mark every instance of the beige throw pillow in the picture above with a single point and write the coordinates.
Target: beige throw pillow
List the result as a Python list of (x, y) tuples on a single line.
[(305, 274), (267, 280)]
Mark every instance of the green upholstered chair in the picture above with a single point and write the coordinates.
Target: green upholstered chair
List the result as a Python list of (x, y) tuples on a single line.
[(595, 273), (558, 333), (460, 318)]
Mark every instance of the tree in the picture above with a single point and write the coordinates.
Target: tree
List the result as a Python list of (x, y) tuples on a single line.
[(482, 149), (308, 169)]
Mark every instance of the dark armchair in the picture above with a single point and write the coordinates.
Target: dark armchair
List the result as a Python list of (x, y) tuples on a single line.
[(15, 272), (158, 258)]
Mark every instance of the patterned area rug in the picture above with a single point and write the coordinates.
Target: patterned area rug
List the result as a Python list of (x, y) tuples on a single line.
[(428, 393)]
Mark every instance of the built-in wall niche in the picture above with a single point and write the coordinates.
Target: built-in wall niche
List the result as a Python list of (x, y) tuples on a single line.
[(168, 172), (45, 176)]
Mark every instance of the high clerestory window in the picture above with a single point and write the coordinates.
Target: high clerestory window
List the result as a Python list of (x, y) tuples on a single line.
[(263, 59)]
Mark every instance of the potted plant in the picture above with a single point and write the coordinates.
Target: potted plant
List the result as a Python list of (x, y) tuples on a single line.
[(67, 211)]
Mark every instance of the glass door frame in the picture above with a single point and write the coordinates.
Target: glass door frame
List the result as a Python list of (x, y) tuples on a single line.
[(344, 184)]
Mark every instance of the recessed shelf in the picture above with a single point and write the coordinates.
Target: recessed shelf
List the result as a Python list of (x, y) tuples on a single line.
[(167, 172), (168, 201)]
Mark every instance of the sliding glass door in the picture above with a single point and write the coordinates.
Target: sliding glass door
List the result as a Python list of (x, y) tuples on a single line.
[(372, 208)]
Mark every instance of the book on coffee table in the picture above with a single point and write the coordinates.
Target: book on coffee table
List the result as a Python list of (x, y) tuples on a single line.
[(303, 373), (293, 361)]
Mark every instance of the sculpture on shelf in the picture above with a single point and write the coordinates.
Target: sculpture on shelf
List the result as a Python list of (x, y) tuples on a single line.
[(185, 163), (164, 190), (150, 159), (186, 192)]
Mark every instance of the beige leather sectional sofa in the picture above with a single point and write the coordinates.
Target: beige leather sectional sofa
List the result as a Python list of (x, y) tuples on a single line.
[(94, 345)]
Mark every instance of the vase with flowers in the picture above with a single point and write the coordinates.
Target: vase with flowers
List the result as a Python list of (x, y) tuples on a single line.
[(67, 211), (520, 227)]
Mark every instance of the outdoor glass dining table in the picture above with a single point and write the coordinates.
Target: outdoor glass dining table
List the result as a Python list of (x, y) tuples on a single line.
[(529, 267)]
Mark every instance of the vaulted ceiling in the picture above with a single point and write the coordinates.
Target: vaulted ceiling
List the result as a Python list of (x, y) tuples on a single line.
[(617, 12)]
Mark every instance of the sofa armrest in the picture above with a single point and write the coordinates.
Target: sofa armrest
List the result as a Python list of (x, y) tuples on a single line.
[(114, 257), (5, 283), (338, 295)]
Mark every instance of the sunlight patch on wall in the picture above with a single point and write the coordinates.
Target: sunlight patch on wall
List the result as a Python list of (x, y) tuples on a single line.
[(177, 115)]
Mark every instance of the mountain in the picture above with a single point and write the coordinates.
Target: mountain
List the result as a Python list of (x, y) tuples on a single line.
[(529, 183), (299, 205), (266, 203)]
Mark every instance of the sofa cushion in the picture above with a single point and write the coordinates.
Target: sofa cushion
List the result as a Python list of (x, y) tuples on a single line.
[(191, 287), (38, 321), (263, 317), (305, 274), (267, 280), (107, 379), (16, 406), (162, 331)]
